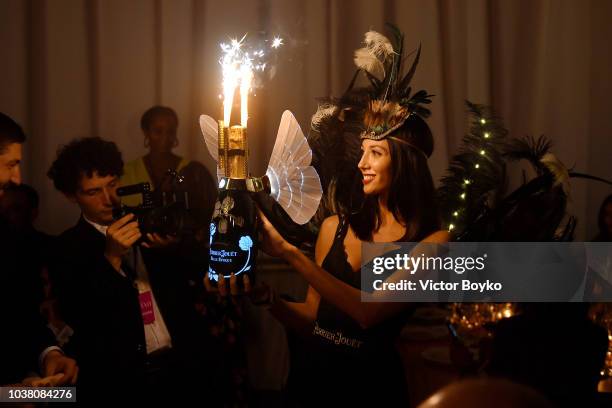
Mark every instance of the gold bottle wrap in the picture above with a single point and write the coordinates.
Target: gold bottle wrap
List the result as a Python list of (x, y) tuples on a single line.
[(237, 153), (222, 148)]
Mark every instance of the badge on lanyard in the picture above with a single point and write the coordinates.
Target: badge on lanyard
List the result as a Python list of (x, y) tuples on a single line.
[(146, 307)]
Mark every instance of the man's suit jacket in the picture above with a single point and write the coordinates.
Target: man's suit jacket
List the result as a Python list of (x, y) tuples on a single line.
[(102, 307), (24, 334)]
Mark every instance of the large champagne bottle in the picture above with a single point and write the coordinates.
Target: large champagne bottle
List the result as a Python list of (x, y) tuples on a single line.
[(233, 228)]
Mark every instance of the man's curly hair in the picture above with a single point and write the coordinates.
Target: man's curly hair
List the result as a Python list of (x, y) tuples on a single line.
[(84, 157)]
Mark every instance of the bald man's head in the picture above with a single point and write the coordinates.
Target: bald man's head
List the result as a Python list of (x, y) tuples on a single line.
[(486, 393)]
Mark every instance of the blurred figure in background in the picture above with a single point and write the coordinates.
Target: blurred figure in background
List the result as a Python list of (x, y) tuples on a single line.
[(599, 282), (604, 221), (159, 125), (554, 348), (19, 207), (26, 345)]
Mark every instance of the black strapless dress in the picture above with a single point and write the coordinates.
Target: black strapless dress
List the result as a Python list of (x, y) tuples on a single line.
[(347, 364)]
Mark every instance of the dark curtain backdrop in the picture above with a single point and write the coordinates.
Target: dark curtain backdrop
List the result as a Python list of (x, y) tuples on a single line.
[(73, 68)]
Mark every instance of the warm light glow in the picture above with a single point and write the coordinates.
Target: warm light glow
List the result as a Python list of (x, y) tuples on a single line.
[(482, 152), (487, 135), (462, 196), (245, 87), (238, 64), (229, 86), (277, 42), (456, 213), (476, 166), (230, 63), (451, 227), (483, 121)]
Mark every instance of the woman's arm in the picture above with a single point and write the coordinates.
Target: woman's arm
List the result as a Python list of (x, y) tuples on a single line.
[(335, 291), (297, 315), (300, 315)]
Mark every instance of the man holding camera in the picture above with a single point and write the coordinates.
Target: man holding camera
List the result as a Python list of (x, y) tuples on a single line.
[(124, 293)]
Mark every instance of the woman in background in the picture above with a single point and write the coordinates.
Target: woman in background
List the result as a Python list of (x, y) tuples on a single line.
[(159, 125)]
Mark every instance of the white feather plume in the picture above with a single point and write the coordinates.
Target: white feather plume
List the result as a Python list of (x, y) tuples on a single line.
[(210, 132), (367, 61), (294, 182), (372, 57), (378, 44), (323, 112)]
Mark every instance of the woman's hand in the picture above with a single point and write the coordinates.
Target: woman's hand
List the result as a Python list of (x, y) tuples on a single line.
[(221, 289), (271, 241), (259, 295), (225, 288)]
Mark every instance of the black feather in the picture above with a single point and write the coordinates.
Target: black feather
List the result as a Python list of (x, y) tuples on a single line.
[(530, 149), (484, 183)]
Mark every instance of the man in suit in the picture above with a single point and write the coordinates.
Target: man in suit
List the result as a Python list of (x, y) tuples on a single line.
[(125, 295), (26, 343)]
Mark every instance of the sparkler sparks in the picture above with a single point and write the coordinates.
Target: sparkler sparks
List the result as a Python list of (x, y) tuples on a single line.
[(238, 64), (277, 42)]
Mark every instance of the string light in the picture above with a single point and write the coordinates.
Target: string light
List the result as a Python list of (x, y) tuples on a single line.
[(467, 181)]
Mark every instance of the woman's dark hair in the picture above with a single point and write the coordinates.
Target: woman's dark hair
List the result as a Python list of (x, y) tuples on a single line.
[(411, 192), (84, 157), (604, 234), (151, 113)]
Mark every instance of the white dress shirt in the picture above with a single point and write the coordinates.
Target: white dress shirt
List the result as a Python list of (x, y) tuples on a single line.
[(156, 334)]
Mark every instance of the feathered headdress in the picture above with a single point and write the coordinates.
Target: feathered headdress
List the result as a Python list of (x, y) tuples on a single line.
[(391, 98), (374, 111)]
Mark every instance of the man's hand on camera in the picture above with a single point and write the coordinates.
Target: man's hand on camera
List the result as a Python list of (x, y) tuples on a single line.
[(157, 241), (120, 236)]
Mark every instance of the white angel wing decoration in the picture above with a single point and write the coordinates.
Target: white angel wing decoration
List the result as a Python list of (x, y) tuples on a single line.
[(294, 182), (210, 131)]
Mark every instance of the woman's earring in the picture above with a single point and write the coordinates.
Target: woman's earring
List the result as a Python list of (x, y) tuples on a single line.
[(146, 142)]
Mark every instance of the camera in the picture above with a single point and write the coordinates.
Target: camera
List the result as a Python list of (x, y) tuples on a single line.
[(165, 211)]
